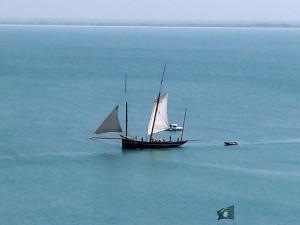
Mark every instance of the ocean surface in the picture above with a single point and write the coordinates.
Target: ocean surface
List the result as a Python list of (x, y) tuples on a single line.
[(58, 83)]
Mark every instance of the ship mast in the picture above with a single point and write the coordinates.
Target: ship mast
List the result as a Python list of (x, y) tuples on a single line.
[(126, 107), (183, 124), (157, 102)]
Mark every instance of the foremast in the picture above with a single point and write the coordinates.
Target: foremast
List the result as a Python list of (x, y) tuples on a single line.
[(126, 108)]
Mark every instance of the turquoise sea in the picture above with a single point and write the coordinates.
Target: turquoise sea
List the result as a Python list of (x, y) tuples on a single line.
[(58, 83)]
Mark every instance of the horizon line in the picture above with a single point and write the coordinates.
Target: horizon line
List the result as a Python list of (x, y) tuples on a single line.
[(152, 23)]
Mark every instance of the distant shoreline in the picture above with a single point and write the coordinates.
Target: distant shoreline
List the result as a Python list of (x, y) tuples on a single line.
[(144, 27), (156, 24)]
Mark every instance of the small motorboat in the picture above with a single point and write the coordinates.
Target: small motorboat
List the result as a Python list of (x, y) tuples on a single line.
[(174, 127), (227, 143)]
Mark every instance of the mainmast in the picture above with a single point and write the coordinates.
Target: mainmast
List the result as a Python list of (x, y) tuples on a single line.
[(126, 107), (157, 101)]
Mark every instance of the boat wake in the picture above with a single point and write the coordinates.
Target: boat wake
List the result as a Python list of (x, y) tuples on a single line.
[(65, 155), (6, 158), (199, 142), (46, 154), (238, 169), (268, 142)]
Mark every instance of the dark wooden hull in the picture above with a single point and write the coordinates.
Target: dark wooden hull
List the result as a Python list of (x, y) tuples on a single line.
[(135, 144)]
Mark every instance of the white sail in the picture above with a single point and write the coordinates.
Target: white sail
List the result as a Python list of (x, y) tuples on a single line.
[(161, 120), (110, 124)]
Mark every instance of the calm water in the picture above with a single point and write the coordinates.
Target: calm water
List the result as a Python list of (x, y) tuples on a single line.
[(58, 83)]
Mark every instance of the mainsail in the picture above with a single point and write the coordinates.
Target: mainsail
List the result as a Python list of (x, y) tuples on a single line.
[(110, 124), (161, 120)]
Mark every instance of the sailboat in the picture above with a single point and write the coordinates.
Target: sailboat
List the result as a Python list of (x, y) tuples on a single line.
[(158, 122)]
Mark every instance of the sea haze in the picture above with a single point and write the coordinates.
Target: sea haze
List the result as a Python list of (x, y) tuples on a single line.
[(58, 83)]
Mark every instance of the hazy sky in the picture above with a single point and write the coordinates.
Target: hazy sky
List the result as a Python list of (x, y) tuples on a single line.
[(154, 9)]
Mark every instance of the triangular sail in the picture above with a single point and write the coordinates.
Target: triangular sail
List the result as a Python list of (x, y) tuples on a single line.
[(111, 123), (161, 120)]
